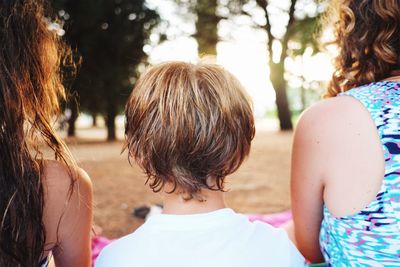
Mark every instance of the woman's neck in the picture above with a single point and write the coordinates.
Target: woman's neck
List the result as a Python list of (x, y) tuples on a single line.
[(175, 203)]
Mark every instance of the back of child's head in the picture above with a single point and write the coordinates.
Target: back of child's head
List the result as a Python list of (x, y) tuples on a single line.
[(189, 126)]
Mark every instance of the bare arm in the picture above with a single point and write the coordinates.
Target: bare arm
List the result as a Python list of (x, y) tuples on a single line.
[(69, 219), (307, 186)]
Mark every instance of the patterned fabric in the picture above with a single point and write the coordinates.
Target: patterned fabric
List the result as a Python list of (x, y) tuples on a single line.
[(372, 236)]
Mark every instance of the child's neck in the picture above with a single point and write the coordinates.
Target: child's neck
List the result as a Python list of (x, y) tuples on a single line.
[(175, 203)]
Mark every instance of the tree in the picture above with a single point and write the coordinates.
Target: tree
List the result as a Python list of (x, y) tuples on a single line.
[(301, 16), (204, 12), (207, 26), (301, 24), (108, 36)]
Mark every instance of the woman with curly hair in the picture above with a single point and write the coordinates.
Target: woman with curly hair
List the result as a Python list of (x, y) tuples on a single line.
[(45, 206), (346, 150)]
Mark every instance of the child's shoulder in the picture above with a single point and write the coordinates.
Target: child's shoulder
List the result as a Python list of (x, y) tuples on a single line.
[(275, 236), (119, 252), (278, 243), (263, 234), (263, 240)]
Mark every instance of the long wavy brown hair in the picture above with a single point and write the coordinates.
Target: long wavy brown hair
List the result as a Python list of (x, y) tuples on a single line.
[(367, 33), (30, 89)]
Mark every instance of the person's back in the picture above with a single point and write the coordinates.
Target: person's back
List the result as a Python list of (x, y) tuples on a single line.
[(218, 238), (372, 234), (345, 164), (188, 127)]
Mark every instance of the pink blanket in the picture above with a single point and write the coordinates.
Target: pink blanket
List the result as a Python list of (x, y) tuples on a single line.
[(274, 219)]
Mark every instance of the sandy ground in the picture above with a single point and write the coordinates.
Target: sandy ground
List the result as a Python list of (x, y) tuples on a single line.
[(261, 185)]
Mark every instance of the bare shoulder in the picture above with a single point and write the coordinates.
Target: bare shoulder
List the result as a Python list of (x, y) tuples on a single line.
[(67, 194), (333, 131), (61, 179), (339, 141), (335, 121), (332, 113), (65, 188)]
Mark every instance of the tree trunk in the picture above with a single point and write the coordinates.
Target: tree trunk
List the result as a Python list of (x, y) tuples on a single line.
[(94, 120), (72, 119), (110, 122), (277, 71), (207, 26)]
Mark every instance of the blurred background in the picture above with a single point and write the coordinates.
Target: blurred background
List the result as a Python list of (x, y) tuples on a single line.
[(276, 48)]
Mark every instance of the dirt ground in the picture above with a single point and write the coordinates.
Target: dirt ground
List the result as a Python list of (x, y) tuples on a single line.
[(261, 185)]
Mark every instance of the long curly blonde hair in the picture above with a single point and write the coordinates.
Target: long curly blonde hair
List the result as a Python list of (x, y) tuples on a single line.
[(367, 33)]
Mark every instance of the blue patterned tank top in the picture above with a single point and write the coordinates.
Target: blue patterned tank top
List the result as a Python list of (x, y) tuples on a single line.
[(372, 236)]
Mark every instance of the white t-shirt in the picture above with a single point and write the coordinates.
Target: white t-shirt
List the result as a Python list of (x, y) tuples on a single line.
[(219, 238)]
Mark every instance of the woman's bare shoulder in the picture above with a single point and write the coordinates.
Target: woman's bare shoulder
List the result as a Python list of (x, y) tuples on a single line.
[(334, 118), (337, 110), (333, 128), (59, 179), (67, 193)]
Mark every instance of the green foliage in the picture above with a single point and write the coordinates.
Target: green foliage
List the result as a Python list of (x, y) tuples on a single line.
[(305, 33), (108, 36)]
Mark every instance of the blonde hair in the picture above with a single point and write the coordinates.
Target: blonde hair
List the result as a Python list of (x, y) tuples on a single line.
[(190, 125), (368, 37)]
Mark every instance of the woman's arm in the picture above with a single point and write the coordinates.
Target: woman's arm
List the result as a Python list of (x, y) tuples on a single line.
[(307, 183), (68, 219)]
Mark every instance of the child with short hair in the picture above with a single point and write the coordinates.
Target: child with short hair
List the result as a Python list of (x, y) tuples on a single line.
[(188, 127)]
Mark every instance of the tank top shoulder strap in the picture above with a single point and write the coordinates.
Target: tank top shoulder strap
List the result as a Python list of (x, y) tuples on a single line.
[(373, 96)]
